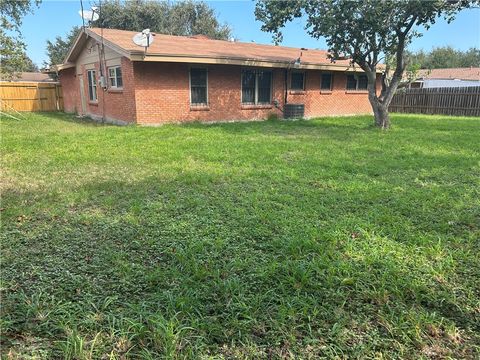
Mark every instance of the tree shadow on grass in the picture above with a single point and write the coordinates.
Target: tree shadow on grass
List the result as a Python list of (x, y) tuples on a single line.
[(232, 261), (279, 127)]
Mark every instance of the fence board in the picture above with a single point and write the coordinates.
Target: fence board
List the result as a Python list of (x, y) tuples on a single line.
[(461, 101), (30, 96)]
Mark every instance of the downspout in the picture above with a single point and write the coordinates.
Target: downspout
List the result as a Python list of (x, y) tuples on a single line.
[(276, 103)]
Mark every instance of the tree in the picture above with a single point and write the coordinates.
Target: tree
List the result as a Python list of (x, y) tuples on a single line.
[(30, 66), (57, 50), (174, 18), (178, 18), (22, 63), (471, 57), (12, 48), (444, 57), (367, 31)]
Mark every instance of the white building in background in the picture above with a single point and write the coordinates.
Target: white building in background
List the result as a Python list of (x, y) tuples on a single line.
[(454, 77)]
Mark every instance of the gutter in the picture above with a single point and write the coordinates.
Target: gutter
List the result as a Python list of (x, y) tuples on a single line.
[(179, 58)]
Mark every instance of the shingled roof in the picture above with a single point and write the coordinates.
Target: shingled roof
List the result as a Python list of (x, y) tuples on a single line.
[(200, 49), (33, 77), (470, 73)]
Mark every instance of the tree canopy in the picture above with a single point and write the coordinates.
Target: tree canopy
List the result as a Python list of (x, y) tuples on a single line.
[(174, 18), (12, 49), (444, 57), (58, 49), (369, 32)]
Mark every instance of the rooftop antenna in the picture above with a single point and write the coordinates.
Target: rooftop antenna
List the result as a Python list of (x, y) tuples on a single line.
[(88, 15), (144, 39)]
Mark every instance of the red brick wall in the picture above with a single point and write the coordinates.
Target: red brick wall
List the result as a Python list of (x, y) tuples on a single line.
[(70, 91), (111, 105), (339, 101), (155, 93), (163, 94)]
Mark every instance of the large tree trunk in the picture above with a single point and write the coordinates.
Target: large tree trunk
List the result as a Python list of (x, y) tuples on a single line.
[(380, 112), (380, 100), (379, 106)]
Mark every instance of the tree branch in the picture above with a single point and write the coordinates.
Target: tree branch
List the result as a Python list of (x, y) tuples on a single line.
[(409, 25)]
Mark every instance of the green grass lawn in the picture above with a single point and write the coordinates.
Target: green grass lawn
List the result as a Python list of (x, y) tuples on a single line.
[(299, 240)]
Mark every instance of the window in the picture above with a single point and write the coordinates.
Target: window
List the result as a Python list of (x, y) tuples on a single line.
[(248, 87), (92, 85), (326, 81), (198, 87), (264, 86), (256, 87), (357, 82), (362, 82), (297, 81), (351, 82), (115, 77)]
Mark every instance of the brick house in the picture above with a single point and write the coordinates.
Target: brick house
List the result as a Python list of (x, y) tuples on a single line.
[(192, 78)]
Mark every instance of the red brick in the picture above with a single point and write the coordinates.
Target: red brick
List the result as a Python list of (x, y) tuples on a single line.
[(155, 93)]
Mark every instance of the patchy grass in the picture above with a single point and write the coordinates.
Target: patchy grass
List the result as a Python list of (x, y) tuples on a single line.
[(324, 238)]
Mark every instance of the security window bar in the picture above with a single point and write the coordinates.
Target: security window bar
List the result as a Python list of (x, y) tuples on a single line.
[(326, 82), (264, 86), (297, 81), (198, 86), (357, 82), (115, 77), (256, 87), (92, 85)]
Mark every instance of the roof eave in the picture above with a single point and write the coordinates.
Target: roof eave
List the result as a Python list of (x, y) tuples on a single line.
[(60, 67), (151, 57), (77, 46), (81, 38)]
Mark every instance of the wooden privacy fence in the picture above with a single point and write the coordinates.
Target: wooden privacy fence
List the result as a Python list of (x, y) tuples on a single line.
[(30, 96), (461, 101)]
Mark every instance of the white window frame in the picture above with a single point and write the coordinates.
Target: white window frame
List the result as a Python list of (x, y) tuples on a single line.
[(93, 85), (256, 71), (115, 68), (190, 85)]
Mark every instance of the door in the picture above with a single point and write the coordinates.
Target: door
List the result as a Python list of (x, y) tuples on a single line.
[(82, 96)]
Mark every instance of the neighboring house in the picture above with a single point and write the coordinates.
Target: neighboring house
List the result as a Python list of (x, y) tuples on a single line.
[(32, 77), (454, 77), (194, 78)]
